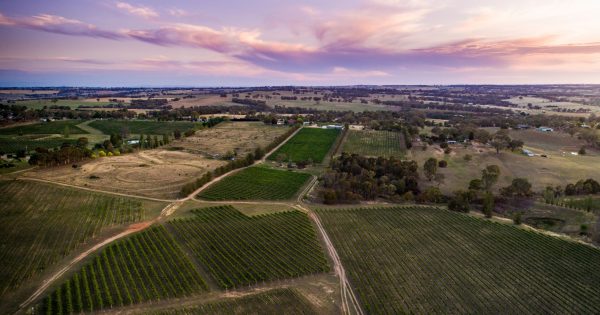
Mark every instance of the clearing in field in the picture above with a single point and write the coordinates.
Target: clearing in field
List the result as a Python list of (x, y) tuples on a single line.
[(308, 144), (375, 143), (276, 301), (427, 260), (238, 137), (256, 183), (42, 223), (237, 250), (152, 173), (141, 127), (148, 266)]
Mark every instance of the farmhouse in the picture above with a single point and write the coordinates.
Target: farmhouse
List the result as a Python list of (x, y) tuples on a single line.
[(333, 127), (451, 142), (528, 153), (545, 129)]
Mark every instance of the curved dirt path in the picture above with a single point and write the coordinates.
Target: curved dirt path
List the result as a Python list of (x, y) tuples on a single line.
[(165, 212)]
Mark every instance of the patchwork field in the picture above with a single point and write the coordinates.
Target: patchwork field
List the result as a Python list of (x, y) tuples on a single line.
[(43, 223), (308, 144), (148, 266), (141, 127), (237, 250), (558, 168), (480, 267), (239, 137), (153, 173), (256, 183), (375, 143), (277, 301)]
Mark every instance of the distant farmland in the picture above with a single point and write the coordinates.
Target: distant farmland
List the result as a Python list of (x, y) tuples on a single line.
[(427, 260), (308, 144), (141, 127)]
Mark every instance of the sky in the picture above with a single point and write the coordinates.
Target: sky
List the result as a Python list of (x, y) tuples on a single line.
[(269, 42)]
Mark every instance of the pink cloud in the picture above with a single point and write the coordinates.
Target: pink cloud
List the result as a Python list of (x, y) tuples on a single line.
[(142, 11)]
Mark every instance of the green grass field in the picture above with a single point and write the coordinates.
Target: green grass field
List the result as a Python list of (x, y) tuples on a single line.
[(256, 183), (272, 302), (375, 143), (141, 127), (43, 223), (237, 250), (53, 127), (148, 266), (12, 144), (426, 260), (308, 143)]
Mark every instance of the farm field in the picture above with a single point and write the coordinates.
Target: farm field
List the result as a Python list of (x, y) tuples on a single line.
[(16, 143), (559, 168), (153, 173), (148, 266), (73, 104), (479, 267), (375, 143), (45, 128), (141, 126), (256, 183), (42, 223), (277, 301), (238, 137), (237, 250), (308, 144)]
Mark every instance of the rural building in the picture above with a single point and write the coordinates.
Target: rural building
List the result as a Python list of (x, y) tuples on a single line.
[(545, 129), (333, 127), (521, 126), (528, 153), (133, 141), (451, 142)]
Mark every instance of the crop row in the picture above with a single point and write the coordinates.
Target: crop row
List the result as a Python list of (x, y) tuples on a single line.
[(256, 183), (42, 224), (375, 143), (146, 267), (308, 144), (238, 250), (427, 260)]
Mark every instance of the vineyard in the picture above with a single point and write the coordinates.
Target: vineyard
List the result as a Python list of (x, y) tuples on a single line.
[(256, 183), (308, 144), (53, 127), (427, 260), (148, 266), (141, 127), (237, 250), (375, 143), (275, 302), (13, 144), (42, 223)]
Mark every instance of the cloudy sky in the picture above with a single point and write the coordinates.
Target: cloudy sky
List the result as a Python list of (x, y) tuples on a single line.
[(314, 42)]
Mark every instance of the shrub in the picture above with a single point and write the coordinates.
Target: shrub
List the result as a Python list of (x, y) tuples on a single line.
[(101, 153), (442, 163)]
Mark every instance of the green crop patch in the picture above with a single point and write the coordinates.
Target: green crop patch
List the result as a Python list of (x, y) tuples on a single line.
[(45, 128), (375, 143), (141, 127), (42, 224), (148, 266), (256, 183), (237, 250), (427, 260), (308, 144)]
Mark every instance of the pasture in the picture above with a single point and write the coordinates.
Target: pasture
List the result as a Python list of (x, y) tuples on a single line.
[(308, 144), (148, 266), (375, 143), (237, 250), (427, 260), (240, 138), (256, 183), (141, 126), (152, 173), (42, 224)]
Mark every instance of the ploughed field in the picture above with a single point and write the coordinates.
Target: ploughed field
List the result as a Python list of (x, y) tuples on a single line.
[(375, 143), (256, 183), (308, 144), (42, 223), (427, 260)]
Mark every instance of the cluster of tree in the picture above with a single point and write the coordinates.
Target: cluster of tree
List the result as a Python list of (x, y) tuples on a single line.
[(151, 103), (583, 187), (353, 178), (64, 155)]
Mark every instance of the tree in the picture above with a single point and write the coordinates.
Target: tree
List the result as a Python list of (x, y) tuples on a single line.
[(66, 132), (515, 144), (517, 218), (500, 141), (82, 142), (165, 138), (582, 151), (475, 184), (116, 140), (177, 134), (488, 204), (142, 141), (489, 176), (430, 168), (460, 202), (519, 187)]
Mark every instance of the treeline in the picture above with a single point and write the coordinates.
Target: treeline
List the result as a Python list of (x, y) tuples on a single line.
[(354, 178), (248, 160)]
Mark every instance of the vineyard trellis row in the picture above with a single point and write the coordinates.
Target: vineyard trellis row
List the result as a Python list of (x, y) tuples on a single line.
[(428, 260), (237, 250), (375, 143), (308, 143)]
